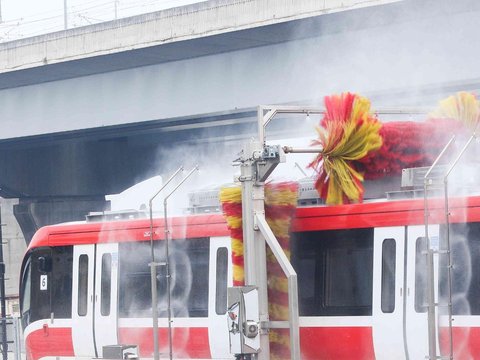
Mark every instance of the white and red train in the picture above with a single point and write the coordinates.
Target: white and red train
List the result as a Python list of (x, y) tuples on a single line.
[(361, 278)]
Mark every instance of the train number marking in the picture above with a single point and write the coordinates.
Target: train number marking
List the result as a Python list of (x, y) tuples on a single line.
[(43, 282)]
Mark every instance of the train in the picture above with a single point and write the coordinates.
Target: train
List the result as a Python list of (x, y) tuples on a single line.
[(362, 288), (390, 275)]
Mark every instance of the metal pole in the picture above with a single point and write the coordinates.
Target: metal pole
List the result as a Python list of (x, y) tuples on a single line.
[(167, 260), (116, 9), (17, 338), (300, 169), (449, 267), (289, 149), (253, 196), (153, 271), (65, 15), (432, 344), (447, 240), (2, 296)]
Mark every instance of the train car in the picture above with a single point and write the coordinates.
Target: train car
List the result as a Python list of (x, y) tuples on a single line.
[(362, 286)]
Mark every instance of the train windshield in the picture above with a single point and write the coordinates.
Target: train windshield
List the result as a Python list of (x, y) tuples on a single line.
[(46, 284)]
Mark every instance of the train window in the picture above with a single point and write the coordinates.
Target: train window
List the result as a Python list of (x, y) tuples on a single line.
[(188, 263), (50, 285), (465, 271), (82, 285), (222, 281), (41, 286), (388, 276), (62, 267), (420, 275), (335, 270), (106, 284)]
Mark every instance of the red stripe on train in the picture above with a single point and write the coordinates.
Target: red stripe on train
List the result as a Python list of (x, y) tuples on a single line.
[(336, 343), (466, 342), (187, 342), (318, 343), (49, 342)]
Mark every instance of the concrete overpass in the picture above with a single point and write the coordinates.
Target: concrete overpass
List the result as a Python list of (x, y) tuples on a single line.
[(90, 111)]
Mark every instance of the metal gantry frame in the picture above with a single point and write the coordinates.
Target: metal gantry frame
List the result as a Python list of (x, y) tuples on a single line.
[(430, 252), (256, 164)]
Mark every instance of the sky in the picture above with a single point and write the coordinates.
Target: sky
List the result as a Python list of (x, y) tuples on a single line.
[(25, 18)]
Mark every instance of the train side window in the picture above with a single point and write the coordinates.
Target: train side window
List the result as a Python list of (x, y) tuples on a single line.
[(189, 278), (62, 268), (335, 272), (221, 284), (82, 285), (106, 284), (465, 271), (388, 276), (343, 280), (420, 275)]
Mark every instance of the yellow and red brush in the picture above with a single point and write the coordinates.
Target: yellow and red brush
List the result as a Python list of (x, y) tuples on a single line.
[(409, 144), (463, 107), (231, 200), (280, 204), (349, 132)]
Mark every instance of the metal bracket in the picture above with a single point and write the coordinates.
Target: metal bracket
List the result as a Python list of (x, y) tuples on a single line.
[(264, 327)]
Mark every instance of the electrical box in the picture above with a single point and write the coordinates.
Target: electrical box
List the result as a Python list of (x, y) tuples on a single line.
[(243, 320)]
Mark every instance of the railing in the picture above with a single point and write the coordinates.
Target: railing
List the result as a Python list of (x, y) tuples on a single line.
[(12, 345), (15, 25)]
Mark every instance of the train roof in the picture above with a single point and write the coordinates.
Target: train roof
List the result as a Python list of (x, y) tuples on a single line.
[(311, 218)]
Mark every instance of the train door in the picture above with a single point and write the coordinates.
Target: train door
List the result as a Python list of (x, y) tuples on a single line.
[(388, 293), (82, 300), (416, 322), (94, 302), (106, 296), (220, 274)]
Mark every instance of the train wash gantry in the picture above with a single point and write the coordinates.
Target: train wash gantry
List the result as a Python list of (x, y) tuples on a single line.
[(257, 161)]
